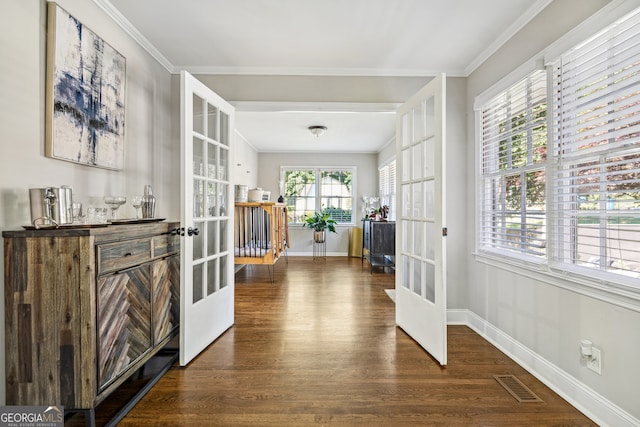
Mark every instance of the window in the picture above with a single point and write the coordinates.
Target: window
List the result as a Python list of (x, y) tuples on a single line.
[(387, 188), (334, 194), (513, 158), (587, 168), (597, 152)]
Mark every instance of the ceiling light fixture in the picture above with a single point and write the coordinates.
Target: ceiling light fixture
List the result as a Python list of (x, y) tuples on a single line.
[(317, 130)]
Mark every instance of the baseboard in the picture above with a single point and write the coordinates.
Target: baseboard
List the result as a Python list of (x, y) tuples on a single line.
[(329, 254), (593, 405)]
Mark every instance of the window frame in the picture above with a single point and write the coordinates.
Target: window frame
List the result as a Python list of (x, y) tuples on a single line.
[(487, 209), (597, 126), (610, 287), (318, 170)]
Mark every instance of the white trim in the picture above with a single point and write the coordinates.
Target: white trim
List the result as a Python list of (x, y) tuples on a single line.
[(309, 254), (586, 400), (136, 35), (305, 71), (609, 292), (503, 38)]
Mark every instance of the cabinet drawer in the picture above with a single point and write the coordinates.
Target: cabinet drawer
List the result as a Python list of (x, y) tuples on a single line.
[(120, 255), (165, 244)]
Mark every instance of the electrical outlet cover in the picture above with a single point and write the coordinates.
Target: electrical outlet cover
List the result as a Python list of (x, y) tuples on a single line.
[(595, 364)]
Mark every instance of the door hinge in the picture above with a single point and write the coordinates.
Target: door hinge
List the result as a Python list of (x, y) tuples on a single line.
[(445, 231)]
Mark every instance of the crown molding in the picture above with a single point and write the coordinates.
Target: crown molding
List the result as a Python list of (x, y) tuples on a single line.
[(136, 35), (517, 25)]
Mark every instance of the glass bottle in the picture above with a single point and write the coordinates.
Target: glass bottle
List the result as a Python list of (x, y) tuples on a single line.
[(148, 202)]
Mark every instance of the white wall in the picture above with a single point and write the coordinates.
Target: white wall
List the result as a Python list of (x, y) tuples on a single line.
[(387, 153), (366, 183), (245, 165), (546, 318), (266, 88), (151, 151), (456, 176)]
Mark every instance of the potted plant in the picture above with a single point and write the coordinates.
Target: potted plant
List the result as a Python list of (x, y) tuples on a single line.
[(319, 223)]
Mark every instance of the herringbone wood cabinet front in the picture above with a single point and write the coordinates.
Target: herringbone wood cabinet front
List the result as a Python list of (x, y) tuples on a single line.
[(85, 308)]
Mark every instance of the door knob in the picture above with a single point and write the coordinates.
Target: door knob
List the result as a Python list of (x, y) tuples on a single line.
[(181, 232)]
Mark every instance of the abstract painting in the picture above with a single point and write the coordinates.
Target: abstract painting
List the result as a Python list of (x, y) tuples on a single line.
[(85, 94)]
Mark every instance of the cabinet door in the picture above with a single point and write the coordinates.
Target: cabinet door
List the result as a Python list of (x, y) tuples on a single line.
[(124, 321), (166, 297), (383, 237)]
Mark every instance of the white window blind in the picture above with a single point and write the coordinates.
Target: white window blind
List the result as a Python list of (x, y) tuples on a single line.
[(597, 153), (513, 157), (387, 188)]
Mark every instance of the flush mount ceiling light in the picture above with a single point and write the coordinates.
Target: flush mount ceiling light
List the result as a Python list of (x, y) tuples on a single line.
[(317, 130)]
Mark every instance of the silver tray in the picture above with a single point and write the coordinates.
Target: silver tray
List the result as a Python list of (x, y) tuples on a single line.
[(63, 226), (135, 221)]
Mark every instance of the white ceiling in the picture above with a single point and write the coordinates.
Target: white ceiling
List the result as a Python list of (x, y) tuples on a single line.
[(287, 131), (321, 37)]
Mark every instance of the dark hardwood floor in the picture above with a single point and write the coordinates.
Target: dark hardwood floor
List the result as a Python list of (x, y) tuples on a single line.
[(320, 347)]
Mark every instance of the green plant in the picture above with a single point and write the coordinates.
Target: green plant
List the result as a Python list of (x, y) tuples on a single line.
[(320, 221)]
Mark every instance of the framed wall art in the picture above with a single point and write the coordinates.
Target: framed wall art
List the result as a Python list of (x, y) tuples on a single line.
[(85, 117)]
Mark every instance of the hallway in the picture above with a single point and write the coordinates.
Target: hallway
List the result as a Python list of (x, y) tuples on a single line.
[(320, 347)]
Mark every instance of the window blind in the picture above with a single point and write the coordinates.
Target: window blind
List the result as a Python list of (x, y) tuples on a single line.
[(596, 119), (392, 191), (387, 188), (513, 157)]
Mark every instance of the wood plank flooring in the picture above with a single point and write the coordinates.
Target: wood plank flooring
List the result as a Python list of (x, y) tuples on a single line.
[(319, 347)]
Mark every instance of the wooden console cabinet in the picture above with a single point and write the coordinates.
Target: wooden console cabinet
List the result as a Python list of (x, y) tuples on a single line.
[(85, 308)]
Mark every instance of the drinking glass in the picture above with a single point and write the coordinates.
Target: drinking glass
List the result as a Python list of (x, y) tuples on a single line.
[(96, 215), (114, 203), (76, 208), (136, 202)]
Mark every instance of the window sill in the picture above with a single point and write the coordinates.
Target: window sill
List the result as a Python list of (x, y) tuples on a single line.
[(604, 290)]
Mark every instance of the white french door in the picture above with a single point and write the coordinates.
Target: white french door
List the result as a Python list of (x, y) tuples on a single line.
[(206, 262), (421, 286)]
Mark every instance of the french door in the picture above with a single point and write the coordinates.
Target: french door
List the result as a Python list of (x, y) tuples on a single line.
[(421, 287), (206, 262)]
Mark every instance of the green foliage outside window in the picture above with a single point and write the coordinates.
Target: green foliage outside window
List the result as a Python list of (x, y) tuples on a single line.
[(314, 190), (523, 148)]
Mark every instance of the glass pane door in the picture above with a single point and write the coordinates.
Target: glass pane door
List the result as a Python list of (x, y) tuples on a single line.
[(420, 279), (206, 258)]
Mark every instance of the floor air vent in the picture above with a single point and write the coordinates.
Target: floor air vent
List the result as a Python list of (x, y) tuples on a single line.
[(518, 390)]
